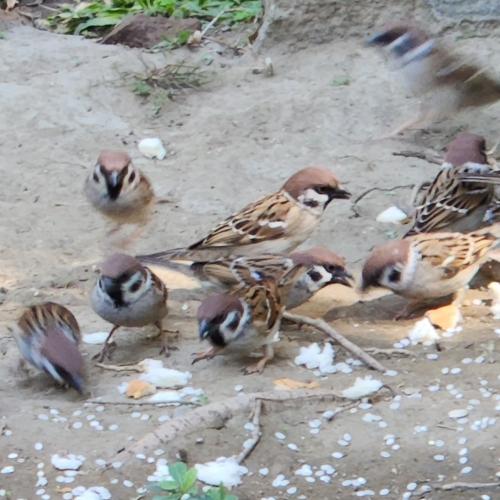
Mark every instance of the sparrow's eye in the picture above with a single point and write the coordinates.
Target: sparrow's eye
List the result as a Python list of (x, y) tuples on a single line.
[(235, 321), (321, 190), (132, 177), (135, 286), (394, 276)]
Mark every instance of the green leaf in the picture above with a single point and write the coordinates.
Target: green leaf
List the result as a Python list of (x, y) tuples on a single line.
[(168, 485), (178, 472), (97, 22), (189, 480)]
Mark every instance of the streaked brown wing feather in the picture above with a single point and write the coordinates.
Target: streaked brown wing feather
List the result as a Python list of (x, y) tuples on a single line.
[(265, 302), (40, 316), (258, 221), (448, 200), (454, 252)]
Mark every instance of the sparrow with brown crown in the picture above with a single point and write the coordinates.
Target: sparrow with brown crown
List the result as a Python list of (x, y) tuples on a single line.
[(429, 266), (461, 193), (48, 337), (246, 319), (120, 191), (129, 294), (277, 223)]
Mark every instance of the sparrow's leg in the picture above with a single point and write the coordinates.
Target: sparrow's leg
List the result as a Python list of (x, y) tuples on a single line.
[(209, 354), (261, 364), (164, 333), (108, 347)]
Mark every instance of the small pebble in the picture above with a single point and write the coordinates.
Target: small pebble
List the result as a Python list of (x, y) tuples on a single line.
[(8, 469), (438, 458), (279, 435), (38, 446)]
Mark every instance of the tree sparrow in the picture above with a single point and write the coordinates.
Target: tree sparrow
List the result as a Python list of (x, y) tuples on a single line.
[(276, 223), (246, 319), (120, 191), (321, 268), (462, 191), (48, 337), (448, 83), (129, 294), (430, 265)]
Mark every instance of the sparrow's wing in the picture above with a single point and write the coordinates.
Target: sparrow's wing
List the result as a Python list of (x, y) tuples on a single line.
[(454, 252), (265, 303), (242, 271), (451, 196), (266, 219)]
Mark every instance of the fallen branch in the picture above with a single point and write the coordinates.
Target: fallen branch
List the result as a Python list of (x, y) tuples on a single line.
[(371, 190), (256, 434), (215, 415), (325, 328), (421, 156), (465, 486)]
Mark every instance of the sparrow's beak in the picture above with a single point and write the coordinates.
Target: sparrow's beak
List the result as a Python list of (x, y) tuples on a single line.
[(112, 288), (340, 194), (342, 277), (114, 185), (204, 329)]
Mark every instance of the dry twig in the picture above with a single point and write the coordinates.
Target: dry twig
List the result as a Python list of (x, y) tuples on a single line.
[(254, 440), (465, 486), (325, 328), (421, 156), (390, 352), (371, 190), (121, 368)]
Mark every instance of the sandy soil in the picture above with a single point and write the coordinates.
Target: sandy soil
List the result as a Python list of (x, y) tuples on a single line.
[(63, 98)]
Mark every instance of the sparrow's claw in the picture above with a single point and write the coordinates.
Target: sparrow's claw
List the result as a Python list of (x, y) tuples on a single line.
[(198, 356), (166, 350), (105, 352), (256, 367)]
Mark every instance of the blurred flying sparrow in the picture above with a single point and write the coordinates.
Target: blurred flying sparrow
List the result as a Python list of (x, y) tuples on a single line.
[(447, 82), (246, 319), (119, 190), (129, 294), (462, 191), (429, 265), (277, 223), (48, 337)]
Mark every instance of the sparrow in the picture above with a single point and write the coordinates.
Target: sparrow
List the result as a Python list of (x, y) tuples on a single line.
[(429, 265), (322, 267), (461, 193), (245, 319), (48, 336), (119, 190), (446, 81), (277, 223), (129, 294)]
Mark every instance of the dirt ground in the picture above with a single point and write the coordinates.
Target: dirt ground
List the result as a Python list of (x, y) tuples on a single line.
[(63, 98)]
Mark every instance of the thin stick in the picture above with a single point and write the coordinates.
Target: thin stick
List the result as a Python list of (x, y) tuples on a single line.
[(465, 486), (389, 352), (341, 409), (256, 434), (325, 328), (212, 22), (371, 190), (417, 154), (121, 368), (140, 403)]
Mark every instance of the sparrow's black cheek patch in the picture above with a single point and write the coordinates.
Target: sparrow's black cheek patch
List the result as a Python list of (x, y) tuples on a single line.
[(216, 338)]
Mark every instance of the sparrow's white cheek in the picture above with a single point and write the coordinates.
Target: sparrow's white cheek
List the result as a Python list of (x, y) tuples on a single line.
[(312, 198)]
